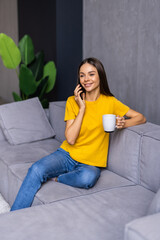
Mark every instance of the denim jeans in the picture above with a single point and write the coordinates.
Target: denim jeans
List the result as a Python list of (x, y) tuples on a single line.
[(58, 164)]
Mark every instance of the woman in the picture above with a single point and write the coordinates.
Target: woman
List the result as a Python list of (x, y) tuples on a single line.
[(80, 157)]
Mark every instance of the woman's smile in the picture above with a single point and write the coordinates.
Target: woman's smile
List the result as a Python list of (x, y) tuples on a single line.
[(87, 85)]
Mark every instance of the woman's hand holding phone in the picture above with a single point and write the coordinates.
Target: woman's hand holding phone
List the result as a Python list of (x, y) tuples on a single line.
[(80, 96)]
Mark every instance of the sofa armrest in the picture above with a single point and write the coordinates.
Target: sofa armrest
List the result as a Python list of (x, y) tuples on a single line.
[(146, 228)]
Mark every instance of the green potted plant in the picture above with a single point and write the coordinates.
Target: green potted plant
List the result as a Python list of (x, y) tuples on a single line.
[(35, 77)]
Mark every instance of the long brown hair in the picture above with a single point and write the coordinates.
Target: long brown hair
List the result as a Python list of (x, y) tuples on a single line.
[(104, 88)]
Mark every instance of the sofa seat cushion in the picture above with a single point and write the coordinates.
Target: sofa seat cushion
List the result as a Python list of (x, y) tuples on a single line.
[(28, 152), (102, 215), (52, 191), (25, 121)]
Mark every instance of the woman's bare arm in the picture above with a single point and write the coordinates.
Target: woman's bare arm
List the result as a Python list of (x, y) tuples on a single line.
[(73, 126), (135, 118)]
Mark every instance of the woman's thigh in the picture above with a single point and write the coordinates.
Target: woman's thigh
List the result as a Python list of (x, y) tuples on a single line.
[(52, 165)]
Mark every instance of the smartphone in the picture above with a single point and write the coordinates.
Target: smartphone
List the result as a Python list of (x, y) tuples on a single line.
[(82, 90)]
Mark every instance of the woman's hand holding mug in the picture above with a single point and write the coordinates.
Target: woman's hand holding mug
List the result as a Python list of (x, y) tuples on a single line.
[(120, 122), (110, 122)]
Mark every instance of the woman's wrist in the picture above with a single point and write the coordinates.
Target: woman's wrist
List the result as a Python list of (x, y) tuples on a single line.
[(82, 109)]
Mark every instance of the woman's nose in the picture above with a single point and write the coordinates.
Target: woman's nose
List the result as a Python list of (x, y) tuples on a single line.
[(86, 78)]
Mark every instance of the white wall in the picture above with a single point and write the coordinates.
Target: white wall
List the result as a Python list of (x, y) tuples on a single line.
[(8, 25)]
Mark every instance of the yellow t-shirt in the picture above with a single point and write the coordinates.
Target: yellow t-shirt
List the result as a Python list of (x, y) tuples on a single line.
[(91, 146)]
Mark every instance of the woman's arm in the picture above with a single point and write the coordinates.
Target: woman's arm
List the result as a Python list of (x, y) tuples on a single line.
[(135, 118), (73, 126)]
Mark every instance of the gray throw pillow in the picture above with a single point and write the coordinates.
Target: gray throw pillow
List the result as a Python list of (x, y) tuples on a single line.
[(155, 204), (56, 114), (25, 121)]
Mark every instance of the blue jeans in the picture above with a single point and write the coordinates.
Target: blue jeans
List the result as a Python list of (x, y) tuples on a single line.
[(58, 164)]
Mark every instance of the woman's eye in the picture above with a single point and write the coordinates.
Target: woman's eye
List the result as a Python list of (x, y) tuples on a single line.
[(81, 76), (92, 74)]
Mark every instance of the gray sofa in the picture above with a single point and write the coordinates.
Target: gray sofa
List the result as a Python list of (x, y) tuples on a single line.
[(124, 204)]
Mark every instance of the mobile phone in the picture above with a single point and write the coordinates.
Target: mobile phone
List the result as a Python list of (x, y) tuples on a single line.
[(83, 91)]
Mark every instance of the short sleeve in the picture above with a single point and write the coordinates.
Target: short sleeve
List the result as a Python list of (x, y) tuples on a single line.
[(120, 108), (70, 109)]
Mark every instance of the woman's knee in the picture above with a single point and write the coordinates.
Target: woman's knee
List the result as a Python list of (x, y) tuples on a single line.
[(37, 171), (89, 177)]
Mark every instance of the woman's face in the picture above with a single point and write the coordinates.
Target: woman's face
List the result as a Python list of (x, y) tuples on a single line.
[(89, 78)]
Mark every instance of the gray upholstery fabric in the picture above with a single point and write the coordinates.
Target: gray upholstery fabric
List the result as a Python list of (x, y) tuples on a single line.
[(25, 121), (146, 128), (155, 204), (137, 154), (29, 152), (123, 157), (56, 113), (146, 228), (101, 215), (2, 137), (150, 160), (47, 112), (4, 183)]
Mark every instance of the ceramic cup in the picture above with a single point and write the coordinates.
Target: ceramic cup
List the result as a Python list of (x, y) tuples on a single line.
[(109, 122)]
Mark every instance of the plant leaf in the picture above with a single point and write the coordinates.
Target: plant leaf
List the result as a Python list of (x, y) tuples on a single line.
[(16, 97), (45, 103), (41, 87), (49, 71), (9, 52), (37, 66), (27, 81), (27, 49)]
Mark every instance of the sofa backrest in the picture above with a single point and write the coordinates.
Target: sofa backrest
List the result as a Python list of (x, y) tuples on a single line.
[(134, 153), (56, 118)]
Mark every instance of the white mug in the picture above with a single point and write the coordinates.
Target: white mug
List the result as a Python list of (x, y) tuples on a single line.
[(109, 122)]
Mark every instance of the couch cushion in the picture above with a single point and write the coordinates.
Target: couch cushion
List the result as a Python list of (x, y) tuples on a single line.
[(51, 191), (150, 160), (145, 228), (123, 155), (56, 114), (101, 215), (2, 137), (155, 204), (25, 121), (27, 152), (134, 153)]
